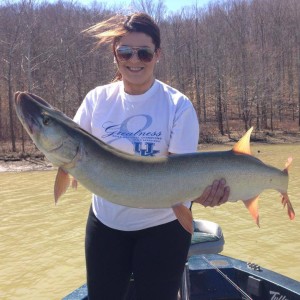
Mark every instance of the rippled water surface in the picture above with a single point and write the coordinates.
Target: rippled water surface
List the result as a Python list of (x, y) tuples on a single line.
[(42, 245)]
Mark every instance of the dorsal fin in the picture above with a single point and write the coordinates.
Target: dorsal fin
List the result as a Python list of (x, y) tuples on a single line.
[(243, 145)]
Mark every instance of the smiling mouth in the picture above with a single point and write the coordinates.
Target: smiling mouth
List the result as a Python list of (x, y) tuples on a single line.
[(135, 69)]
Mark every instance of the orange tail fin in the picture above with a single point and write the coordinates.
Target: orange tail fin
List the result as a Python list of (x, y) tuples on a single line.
[(286, 202), (287, 165), (285, 198)]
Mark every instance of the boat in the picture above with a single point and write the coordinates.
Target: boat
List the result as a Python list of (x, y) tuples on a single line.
[(208, 275)]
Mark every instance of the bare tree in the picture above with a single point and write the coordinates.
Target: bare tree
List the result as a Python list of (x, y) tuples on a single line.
[(234, 59), (156, 9), (11, 40)]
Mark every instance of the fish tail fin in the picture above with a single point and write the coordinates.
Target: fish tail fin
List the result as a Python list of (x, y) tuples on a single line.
[(285, 198), (286, 202), (62, 182), (287, 165), (252, 206), (184, 216)]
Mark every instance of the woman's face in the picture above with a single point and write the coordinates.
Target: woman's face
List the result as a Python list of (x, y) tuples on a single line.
[(137, 74)]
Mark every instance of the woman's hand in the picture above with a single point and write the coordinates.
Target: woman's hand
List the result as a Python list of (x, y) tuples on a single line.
[(215, 194)]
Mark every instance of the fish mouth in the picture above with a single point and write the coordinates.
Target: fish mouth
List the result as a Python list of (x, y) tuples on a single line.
[(29, 108), (19, 96)]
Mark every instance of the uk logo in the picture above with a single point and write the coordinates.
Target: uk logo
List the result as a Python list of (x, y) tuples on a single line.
[(147, 151)]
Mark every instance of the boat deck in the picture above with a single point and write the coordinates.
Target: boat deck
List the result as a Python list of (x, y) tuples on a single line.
[(206, 283), (211, 276)]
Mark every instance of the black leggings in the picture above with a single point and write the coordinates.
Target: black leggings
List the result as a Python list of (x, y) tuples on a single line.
[(156, 256)]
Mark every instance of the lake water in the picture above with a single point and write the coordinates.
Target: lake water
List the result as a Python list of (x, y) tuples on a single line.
[(42, 245)]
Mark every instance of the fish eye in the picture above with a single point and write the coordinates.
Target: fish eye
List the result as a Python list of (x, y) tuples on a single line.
[(46, 120)]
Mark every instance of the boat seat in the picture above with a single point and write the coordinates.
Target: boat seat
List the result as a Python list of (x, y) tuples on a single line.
[(207, 238)]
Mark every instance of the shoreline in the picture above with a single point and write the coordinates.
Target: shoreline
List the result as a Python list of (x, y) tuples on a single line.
[(13, 162), (24, 166)]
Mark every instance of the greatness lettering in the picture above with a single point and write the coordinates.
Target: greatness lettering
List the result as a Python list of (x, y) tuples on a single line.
[(115, 131), (121, 130)]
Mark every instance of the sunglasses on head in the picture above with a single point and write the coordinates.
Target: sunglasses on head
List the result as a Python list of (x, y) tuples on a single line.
[(144, 54)]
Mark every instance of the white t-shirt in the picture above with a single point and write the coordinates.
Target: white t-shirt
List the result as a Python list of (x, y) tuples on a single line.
[(160, 121)]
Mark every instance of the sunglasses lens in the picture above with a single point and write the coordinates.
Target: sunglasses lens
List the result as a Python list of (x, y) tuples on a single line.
[(145, 54), (125, 53)]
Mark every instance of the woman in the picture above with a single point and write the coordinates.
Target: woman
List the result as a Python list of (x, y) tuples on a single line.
[(140, 115)]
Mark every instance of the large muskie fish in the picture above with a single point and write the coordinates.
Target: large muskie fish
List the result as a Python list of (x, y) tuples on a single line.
[(141, 182)]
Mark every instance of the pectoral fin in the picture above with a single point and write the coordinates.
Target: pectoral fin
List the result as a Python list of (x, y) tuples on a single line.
[(252, 206), (184, 216), (62, 182)]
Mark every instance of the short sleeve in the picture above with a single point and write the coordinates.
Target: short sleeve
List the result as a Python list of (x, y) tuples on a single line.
[(83, 115), (185, 130)]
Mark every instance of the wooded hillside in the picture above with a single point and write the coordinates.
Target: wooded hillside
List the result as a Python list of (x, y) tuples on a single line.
[(238, 60)]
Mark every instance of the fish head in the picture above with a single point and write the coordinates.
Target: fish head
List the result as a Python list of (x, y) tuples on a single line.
[(50, 130)]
